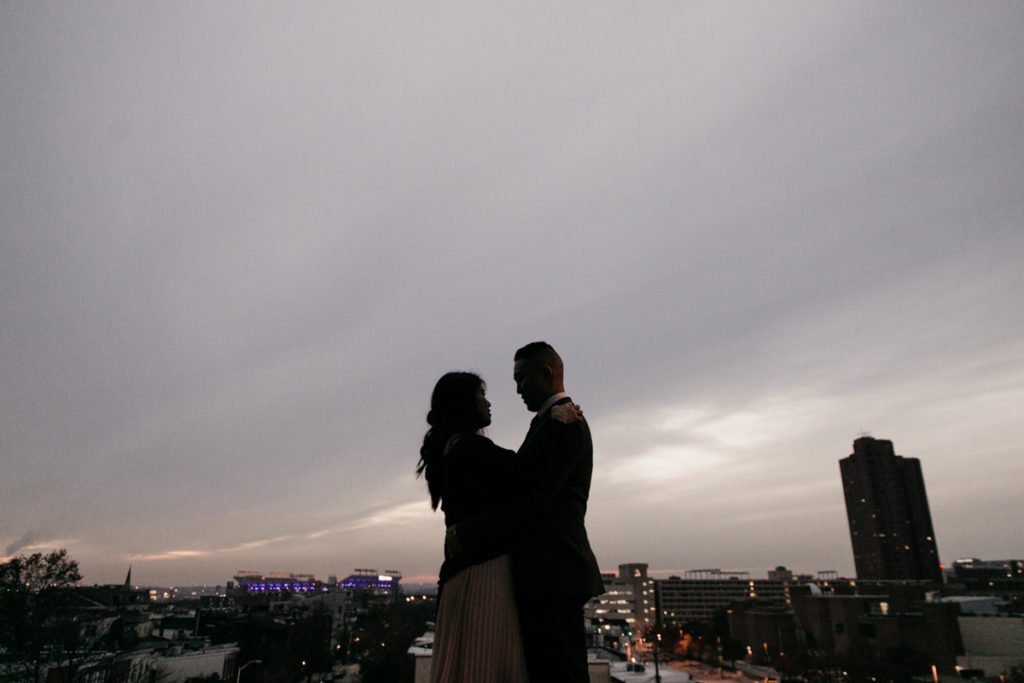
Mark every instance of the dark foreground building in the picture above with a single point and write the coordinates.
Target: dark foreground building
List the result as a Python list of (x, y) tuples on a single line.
[(890, 524)]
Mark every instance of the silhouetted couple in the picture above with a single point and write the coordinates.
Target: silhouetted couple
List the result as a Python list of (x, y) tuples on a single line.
[(518, 565)]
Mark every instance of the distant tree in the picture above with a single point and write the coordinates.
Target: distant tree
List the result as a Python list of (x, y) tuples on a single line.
[(387, 632), (38, 572), (36, 633), (670, 636), (728, 648), (309, 642), (694, 640)]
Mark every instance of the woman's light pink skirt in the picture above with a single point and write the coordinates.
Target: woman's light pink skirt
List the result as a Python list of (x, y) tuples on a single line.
[(476, 638)]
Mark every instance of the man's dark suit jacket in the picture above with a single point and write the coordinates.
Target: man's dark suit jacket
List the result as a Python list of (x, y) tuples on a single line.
[(551, 554)]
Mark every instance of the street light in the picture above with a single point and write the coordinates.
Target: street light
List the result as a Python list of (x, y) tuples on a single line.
[(238, 676)]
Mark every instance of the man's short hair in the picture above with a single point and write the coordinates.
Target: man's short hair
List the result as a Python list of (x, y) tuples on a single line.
[(540, 353)]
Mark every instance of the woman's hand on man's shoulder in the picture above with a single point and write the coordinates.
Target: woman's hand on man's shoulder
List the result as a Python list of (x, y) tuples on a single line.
[(567, 413)]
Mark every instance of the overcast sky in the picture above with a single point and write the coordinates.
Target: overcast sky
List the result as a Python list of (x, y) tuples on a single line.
[(241, 241)]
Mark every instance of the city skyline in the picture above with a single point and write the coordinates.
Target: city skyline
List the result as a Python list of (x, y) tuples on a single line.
[(239, 245)]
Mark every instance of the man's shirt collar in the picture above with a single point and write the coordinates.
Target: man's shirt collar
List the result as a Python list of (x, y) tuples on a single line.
[(552, 400)]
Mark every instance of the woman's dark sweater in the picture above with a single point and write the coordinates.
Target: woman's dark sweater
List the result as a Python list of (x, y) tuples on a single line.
[(477, 476)]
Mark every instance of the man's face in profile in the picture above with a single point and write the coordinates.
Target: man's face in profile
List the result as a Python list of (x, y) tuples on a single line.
[(531, 383)]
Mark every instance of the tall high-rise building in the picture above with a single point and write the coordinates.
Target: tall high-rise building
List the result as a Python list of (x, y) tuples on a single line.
[(890, 525)]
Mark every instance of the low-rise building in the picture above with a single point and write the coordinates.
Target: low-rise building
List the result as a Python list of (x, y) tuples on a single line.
[(876, 627), (625, 610), (992, 644), (700, 593)]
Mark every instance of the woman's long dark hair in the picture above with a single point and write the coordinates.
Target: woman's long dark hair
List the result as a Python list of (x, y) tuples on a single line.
[(453, 409)]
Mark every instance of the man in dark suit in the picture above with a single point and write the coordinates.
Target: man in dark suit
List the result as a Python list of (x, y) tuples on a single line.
[(554, 569)]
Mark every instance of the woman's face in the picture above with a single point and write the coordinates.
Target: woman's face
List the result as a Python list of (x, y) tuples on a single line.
[(483, 406)]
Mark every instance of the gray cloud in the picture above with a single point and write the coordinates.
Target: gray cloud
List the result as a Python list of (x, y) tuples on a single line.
[(237, 249), (26, 540)]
